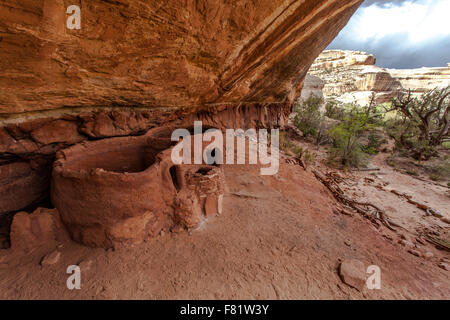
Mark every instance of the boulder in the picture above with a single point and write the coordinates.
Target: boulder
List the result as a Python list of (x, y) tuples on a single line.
[(38, 229), (58, 131), (353, 273)]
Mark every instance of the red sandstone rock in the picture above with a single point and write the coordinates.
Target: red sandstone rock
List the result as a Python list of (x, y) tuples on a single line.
[(428, 255), (188, 211), (444, 265), (20, 186), (353, 273), (106, 191), (40, 228), (51, 258), (211, 206), (132, 53), (415, 252), (9, 144), (58, 131), (407, 243), (179, 71)]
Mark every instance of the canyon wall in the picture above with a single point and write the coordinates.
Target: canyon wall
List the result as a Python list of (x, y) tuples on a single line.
[(138, 65), (352, 76)]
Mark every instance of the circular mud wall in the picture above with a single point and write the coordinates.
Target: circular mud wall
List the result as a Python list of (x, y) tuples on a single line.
[(112, 191), (125, 190)]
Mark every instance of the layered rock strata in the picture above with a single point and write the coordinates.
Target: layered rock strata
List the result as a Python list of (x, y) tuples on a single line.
[(352, 76)]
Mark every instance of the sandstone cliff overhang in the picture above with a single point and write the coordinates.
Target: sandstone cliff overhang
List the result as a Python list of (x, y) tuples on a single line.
[(138, 65), (160, 54)]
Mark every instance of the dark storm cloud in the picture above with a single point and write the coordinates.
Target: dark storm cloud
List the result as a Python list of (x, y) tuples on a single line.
[(391, 52), (395, 50)]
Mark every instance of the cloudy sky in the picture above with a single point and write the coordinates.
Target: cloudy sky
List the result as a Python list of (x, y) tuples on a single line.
[(400, 33)]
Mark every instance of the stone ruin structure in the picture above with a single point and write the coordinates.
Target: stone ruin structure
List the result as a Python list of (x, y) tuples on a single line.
[(128, 189)]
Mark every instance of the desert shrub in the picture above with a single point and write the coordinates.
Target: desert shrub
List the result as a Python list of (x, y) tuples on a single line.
[(347, 147), (374, 143), (309, 119), (412, 172), (334, 110), (422, 123), (408, 139), (284, 142), (288, 146), (440, 171), (309, 157), (308, 116), (297, 150), (369, 150), (391, 161)]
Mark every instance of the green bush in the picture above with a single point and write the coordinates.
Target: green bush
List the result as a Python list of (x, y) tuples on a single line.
[(308, 117), (309, 157), (421, 122), (297, 150), (347, 148), (374, 143), (440, 171), (310, 121), (369, 150), (412, 172), (334, 110), (407, 137)]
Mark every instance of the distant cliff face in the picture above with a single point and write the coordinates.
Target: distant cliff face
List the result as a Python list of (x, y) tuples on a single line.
[(313, 86), (351, 76), (422, 80)]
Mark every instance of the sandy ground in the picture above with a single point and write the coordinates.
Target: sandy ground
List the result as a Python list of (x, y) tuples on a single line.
[(409, 216), (277, 238)]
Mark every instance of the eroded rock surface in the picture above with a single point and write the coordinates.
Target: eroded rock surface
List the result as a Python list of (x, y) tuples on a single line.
[(22, 184), (352, 76), (161, 53), (313, 86)]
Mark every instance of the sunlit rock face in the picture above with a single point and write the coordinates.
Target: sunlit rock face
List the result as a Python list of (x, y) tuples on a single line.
[(138, 64), (423, 79), (352, 76), (313, 86)]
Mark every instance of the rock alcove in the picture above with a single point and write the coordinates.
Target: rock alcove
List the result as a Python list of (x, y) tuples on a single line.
[(85, 102), (127, 189)]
